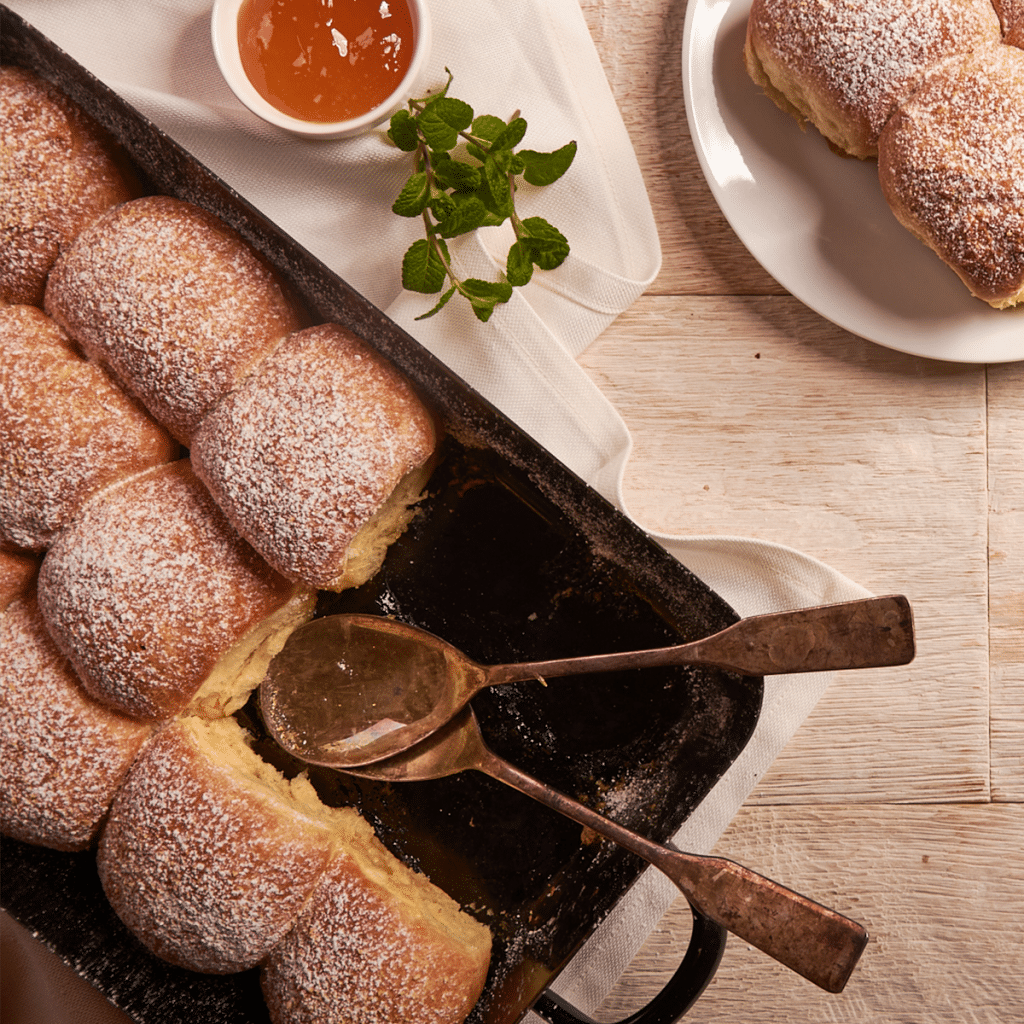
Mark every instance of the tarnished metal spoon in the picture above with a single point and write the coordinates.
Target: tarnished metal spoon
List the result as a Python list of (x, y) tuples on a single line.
[(356, 689), (815, 942)]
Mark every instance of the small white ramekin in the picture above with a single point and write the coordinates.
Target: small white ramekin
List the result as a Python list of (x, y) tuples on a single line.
[(224, 32)]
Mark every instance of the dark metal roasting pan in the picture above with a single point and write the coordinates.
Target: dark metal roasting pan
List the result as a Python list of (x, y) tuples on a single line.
[(512, 557)]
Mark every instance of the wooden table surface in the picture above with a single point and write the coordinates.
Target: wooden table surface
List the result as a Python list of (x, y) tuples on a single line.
[(901, 799)]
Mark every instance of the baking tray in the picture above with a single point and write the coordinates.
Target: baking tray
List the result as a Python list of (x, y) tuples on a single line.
[(511, 557)]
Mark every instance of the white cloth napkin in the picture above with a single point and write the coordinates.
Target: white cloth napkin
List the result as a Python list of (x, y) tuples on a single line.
[(334, 198)]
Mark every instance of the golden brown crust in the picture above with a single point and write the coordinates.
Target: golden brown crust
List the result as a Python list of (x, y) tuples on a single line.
[(18, 571), (1011, 15), (149, 588), (951, 166), (66, 430), (62, 755), (310, 447), (846, 66), (172, 302), (206, 866), (58, 171), (359, 952)]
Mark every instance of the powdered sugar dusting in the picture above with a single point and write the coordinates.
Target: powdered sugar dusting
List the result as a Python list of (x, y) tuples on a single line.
[(865, 56), (62, 756), (149, 587), (56, 175), (173, 302), (309, 448), (205, 867), (355, 956), (66, 430), (951, 164)]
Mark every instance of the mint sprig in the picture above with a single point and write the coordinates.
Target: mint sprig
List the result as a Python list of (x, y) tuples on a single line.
[(465, 177)]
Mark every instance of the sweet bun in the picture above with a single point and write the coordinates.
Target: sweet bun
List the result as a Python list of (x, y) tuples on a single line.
[(845, 67), (218, 863), (58, 171), (377, 944), (172, 302), (1011, 16), (951, 167), (150, 618), (160, 605), (206, 856), (66, 430), (317, 457), (62, 755)]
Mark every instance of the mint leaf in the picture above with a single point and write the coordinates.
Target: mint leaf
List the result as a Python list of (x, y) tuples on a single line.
[(485, 295), (412, 200), (487, 127), (438, 133), (511, 135), (403, 131), (442, 205), (455, 196), (422, 268), (498, 190), (519, 266), (544, 168), (441, 121), (545, 245), (467, 214), (453, 112), (441, 302), (456, 174)]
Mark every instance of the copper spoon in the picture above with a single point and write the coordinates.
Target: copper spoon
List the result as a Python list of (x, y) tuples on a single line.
[(360, 688), (815, 942)]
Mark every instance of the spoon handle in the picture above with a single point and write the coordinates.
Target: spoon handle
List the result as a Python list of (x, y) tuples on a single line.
[(865, 633), (815, 942)]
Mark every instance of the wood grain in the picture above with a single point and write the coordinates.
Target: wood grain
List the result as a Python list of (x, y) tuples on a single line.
[(1006, 577), (933, 886), (901, 799)]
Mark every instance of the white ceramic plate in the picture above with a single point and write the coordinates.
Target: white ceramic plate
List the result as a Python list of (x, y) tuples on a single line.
[(817, 222)]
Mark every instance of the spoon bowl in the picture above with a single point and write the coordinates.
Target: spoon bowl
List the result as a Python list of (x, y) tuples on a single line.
[(351, 690), (812, 940)]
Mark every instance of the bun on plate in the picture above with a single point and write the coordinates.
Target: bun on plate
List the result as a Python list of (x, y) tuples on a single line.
[(845, 67), (951, 167)]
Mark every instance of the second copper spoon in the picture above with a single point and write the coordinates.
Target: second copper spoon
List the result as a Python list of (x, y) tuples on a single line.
[(817, 943)]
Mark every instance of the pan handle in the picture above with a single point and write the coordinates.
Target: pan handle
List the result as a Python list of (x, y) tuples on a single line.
[(698, 966)]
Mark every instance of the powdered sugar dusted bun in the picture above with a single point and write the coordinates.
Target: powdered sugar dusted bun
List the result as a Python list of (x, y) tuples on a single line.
[(160, 605), (173, 302), (58, 171), (376, 944), (18, 571), (845, 66), (1011, 15), (317, 457), (62, 755), (951, 166), (207, 855), (66, 430)]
